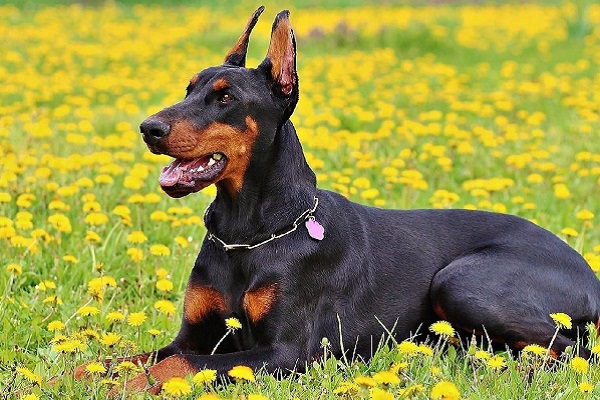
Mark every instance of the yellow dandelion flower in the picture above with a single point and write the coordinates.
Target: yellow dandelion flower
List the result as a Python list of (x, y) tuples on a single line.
[(596, 349), (110, 339), (137, 237), (257, 397), (496, 363), (60, 222), (109, 382), (14, 269), (136, 199), (70, 259), (209, 396), (205, 376), (30, 396), (127, 367), (386, 378), (445, 390), (135, 254), (30, 376), (562, 320), (104, 179), (154, 332), (164, 285), (96, 219), (181, 241), (115, 316), (87, 311), (585, 215), (58, 205), (396, 368), (122, 211), (365, 381), (91, 206), (92, 237), (535, 349), (25, 200), (176, 387), (5, 197), (152, 198), (162, 273), (346, 388), (233, 323), (69, 346), (56, 326), (442, 328), (569, 232), (54, 299), (159, 250), (369, 194), (585, 387), (482, 355), (95, 368), (136, 318), (46, 285), (59, 339), (580, 365), (425, 350), (89, 334), (159, 216), (407, 347), (380, 394), (561, 191), (165, 306), (242, 372)]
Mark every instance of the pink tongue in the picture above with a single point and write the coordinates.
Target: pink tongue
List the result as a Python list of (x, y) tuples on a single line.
[(172, 173)]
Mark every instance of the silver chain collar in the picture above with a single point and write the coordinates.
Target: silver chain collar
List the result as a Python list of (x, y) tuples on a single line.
[(308, 214)]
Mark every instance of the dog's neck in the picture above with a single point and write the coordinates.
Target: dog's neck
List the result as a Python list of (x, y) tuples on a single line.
[(278, 187)]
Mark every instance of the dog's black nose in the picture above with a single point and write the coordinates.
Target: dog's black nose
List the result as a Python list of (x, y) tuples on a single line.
[(154, 129)]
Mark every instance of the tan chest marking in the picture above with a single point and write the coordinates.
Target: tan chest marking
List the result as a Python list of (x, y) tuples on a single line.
[(258, 302), (200, 301)]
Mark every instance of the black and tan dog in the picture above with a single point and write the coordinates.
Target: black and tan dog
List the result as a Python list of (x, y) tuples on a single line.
[(296, 264)]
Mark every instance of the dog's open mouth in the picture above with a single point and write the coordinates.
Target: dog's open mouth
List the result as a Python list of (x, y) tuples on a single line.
[(183, 177)]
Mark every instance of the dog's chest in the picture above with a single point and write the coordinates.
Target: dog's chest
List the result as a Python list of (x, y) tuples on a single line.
[(255, 302)]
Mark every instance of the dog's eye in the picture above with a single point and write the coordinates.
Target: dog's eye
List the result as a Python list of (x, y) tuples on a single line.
[(225, 98)]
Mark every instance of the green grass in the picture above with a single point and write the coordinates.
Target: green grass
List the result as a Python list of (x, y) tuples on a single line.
[(401, 107)]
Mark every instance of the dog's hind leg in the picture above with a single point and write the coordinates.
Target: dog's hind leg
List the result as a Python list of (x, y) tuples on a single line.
[(510, 299)]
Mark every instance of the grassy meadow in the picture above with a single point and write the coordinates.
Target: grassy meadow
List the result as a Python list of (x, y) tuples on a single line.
[(490, 106)]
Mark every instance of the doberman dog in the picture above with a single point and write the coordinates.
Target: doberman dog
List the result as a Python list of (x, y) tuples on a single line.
[(296, 264)]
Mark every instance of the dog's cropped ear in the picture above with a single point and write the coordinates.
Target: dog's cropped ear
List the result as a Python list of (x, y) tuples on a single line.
[(281, 57), (237, 55)]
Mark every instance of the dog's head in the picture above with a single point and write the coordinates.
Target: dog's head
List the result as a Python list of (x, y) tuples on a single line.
[(228, 111)]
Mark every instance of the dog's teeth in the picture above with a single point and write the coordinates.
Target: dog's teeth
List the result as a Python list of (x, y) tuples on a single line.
[(211, 162), (217, 156), (200, 168)]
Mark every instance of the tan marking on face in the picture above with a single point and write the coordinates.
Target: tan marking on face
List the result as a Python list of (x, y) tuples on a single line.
[(194, 80), (220, 84), (200, 301), (188, 142), (259, 302)]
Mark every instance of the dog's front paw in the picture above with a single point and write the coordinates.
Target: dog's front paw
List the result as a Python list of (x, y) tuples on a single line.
[(153, 378)]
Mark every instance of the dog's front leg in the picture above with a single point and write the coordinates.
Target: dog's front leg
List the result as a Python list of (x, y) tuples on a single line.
[(280, 358)]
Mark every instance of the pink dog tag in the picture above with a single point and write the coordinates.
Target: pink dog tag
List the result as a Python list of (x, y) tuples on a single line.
[(315, 229)]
